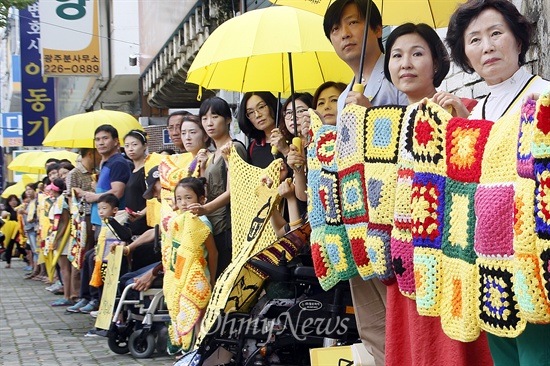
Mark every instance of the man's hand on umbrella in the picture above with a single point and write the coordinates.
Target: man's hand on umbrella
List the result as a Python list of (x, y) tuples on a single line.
[(358, 98)]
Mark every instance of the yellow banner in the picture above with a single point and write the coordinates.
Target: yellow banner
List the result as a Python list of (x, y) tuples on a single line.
[(108, 297)]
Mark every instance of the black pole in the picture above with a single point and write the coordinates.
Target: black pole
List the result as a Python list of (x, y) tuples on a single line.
[(364, 46), (292, 94), (278, 114)]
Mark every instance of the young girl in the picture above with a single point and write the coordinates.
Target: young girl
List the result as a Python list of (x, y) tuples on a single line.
[(189, 258), (188, 191)]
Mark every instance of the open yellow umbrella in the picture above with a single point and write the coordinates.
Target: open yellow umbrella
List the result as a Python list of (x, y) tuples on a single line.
[(23, 163), (19, 187), (57, 154), (251, 52), (77, 131), (435, 13), (34, 162)]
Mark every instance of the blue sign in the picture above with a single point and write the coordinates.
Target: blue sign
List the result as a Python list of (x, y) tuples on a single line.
[(12, 130), (16, 72), (166, 137), (37, 92)]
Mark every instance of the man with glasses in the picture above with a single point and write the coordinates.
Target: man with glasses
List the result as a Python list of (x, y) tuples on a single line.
[(174, 128)]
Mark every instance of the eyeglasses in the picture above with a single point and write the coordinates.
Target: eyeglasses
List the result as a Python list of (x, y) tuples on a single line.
[(175, 127), (260, 109), (299, 113)]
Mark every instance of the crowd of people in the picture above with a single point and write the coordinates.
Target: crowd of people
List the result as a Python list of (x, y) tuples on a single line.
[(489, 38)]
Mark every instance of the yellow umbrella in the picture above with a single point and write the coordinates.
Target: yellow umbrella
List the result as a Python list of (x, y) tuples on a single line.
[(19, 187), (34, 162), (58, 154), (22, 162), (78, 131), (435, 13), (250, 53)]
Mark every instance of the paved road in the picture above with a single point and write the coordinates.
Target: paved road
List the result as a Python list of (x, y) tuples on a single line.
[(34, 333)]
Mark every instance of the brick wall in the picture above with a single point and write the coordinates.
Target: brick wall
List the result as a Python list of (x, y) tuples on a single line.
[(155, 139)]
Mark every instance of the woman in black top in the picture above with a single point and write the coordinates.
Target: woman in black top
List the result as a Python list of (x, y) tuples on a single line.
[(135, 147)]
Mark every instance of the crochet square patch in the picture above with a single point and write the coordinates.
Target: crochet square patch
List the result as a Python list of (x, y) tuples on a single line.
[(524, 219), (382, 130), (426, 139), (381, 181), (494, 208), (541, 139), (542, 198), (465, 143), (357, 235), (525, 165), (427, 274), (460, 221), (197, 286), (402, 260), (428, 207), (338, 249), (328, 191), (353, 194), (529, 289), (498, 308), (545, 264), (325, 146), (350, 135), (378, 249), (318, 253), (402, 215), (458, 304)]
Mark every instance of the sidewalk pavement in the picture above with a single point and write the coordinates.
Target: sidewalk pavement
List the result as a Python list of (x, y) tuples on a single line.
[(34, 333)]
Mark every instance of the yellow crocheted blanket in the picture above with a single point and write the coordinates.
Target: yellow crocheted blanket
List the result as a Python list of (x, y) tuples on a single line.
[(251, 233), (185, 285)]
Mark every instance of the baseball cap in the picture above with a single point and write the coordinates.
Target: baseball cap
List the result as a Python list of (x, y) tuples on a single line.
[(152, 177)]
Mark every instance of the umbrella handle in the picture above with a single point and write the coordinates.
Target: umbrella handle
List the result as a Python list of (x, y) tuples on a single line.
[(274, 151), (297, 141), (359, 88)]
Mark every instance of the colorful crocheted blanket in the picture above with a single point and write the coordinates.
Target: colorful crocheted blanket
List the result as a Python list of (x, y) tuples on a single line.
[(185, 285), (470, 225), (352, 177), (251, 233)]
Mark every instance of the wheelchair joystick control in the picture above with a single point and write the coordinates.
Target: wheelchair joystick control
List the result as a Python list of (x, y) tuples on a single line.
[(283, 261)]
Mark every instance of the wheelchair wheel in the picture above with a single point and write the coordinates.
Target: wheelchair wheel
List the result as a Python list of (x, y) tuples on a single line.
[(118, 343), (141, 348)]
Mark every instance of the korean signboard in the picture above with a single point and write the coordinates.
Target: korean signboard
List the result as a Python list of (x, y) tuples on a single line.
[(11, 130), (70, 37), (37, 92)]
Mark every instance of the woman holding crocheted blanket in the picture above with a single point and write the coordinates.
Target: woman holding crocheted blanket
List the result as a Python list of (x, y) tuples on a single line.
[(491, 38), (215, 115), (416, 62)]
